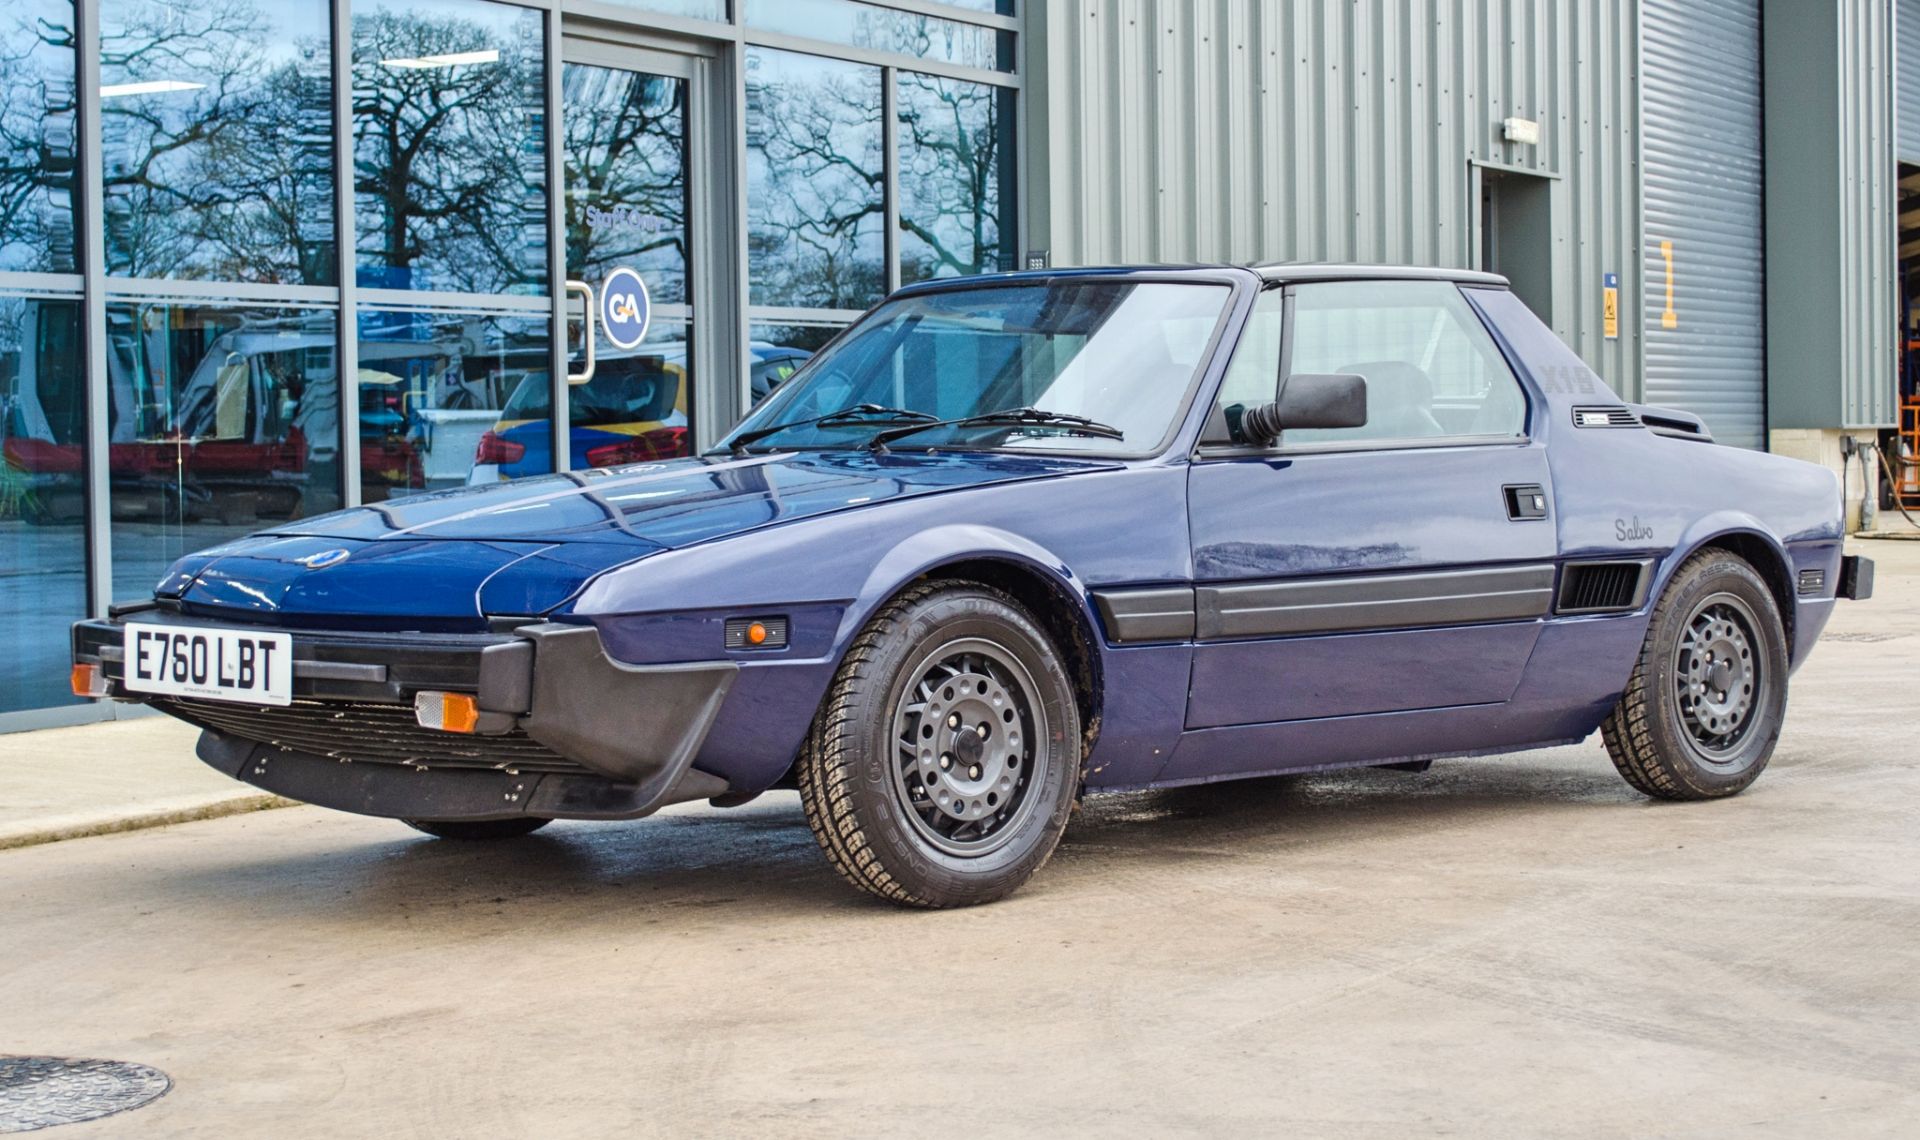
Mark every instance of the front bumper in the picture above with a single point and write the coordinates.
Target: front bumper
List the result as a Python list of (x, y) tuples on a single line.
[(564, 730), (1856, 578)]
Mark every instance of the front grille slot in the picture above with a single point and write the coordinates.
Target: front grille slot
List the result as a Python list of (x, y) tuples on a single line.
[(372, 733), (1602, 587)]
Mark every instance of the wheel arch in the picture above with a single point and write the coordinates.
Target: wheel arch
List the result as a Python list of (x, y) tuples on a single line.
[(1041, 583), (1768, 558)]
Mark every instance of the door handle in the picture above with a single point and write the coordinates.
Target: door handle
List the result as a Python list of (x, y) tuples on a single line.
[(586, 292), (1525, 501)]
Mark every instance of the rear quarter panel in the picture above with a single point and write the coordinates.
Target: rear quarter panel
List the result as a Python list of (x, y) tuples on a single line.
[(1627, 492)]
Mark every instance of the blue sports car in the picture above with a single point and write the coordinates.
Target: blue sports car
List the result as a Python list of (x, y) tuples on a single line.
[(1014, 539)]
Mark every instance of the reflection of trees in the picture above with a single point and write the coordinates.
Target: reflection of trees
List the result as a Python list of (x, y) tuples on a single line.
[(37, 137), (816, 198), (230, 180), (448, 160), (626, 200), (815, 132), (951, 167)]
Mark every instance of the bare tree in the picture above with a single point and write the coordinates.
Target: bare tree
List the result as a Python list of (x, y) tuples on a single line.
[(37, 139), (817, 187), (449, 164), (952, 165), (626, 181)]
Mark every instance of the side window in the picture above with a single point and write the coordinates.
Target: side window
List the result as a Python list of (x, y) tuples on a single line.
[(1253, 376), (1432, 371)]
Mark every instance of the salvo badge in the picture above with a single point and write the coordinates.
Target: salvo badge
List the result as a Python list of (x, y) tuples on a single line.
[(624, 308)]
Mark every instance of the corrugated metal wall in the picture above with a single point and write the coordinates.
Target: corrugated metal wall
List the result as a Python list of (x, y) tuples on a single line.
[(1906, 14), (1704, 213), (1255, 130), (1869, 232)]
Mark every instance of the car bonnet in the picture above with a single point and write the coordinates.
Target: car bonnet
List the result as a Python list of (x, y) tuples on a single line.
[(527, 546)]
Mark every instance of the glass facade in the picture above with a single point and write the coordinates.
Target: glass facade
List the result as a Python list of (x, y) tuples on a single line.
[(816, 182), (216, 140), (449, 146), (329, 234), (224, 419), (886, 29), (39, 137), (956, 171), (43, 506), (451, 398), (626, 134)]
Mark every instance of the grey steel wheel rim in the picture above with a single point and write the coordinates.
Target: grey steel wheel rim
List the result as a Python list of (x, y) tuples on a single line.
[(1719, 676), (967, 730)]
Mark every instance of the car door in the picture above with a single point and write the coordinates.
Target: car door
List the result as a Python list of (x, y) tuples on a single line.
[(1406, 564)]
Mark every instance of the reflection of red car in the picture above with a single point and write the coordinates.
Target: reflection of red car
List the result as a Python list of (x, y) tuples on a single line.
[(235, 442)]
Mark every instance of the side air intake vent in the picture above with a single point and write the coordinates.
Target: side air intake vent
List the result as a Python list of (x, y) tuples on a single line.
[(1603, 587), (1605, 417), (1676, 425)]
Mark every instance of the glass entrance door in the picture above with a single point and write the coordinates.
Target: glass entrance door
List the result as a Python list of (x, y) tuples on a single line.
[(625, 117)]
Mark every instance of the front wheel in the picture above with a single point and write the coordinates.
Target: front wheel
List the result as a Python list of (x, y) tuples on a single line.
[(1703, 710), (944, 762)]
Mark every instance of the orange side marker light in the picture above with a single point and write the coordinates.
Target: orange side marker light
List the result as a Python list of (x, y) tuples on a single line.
[(87, 681)]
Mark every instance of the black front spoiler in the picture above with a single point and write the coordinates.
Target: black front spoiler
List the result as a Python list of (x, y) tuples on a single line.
[(402, 792), (564, 730)]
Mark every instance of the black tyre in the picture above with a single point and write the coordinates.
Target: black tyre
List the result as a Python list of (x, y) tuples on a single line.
[(479, 828), (946, 758), (1703, 710)]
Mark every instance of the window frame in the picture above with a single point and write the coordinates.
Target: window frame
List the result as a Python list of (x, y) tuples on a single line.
[(1205, 451)]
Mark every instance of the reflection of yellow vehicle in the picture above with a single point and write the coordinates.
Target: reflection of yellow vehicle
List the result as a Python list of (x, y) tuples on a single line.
[(635, 410)]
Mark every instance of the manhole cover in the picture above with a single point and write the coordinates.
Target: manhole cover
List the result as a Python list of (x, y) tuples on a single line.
[(40, 1092)]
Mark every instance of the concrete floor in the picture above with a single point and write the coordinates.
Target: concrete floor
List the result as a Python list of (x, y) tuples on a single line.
[(1509, 947)]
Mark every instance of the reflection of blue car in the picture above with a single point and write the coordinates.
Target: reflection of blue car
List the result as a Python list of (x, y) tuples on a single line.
[(1019, 537), (634, 411)]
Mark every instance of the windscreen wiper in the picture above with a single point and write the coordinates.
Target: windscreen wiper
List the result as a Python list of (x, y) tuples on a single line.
[(854, 414), (1015, 417)]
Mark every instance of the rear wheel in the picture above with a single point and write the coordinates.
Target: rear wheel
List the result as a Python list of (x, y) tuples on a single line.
[(945, 760), (1702, 712), (479, 828)]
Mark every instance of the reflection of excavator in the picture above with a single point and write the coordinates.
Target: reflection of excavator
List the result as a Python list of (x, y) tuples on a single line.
[(252, 428)]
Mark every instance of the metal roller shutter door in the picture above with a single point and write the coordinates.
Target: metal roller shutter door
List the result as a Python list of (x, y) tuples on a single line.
[(1906, 82), (1702, 185)]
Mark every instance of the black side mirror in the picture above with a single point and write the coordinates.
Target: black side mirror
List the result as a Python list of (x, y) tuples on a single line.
[(1309, 400)]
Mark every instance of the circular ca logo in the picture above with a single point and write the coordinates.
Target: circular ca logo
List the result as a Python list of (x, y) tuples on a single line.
[(624, 308)]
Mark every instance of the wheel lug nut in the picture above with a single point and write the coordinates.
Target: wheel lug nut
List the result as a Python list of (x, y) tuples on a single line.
[(973, 773), (946, 762), (982, 730), (953, 721)]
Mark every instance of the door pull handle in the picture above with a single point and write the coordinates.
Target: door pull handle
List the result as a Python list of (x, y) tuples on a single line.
[(1525, 501)]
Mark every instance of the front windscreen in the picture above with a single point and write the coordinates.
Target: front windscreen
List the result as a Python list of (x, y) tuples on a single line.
[(1122, 354)]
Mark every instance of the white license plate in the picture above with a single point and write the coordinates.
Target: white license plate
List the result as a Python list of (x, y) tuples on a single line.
[(223, 664)]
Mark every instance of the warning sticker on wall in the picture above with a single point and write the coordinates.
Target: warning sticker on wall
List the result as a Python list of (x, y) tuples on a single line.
[(1610, 305)]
